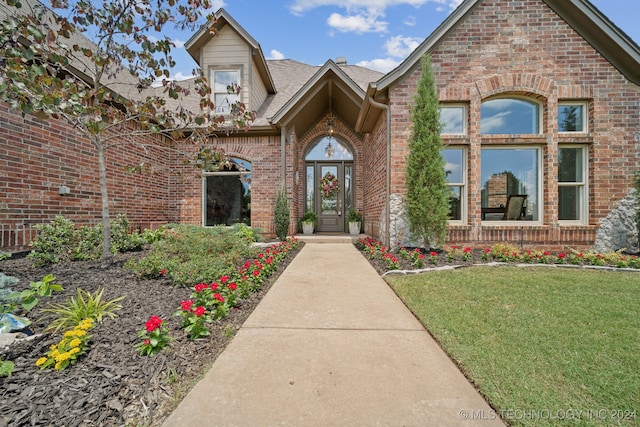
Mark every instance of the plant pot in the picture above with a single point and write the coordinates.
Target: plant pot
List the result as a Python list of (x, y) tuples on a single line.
[(354, 228), (307, 228)]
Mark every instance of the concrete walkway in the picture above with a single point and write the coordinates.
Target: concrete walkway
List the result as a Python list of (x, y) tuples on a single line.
[(332, 345)]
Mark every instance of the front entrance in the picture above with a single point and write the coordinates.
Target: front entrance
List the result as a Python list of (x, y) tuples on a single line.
[(329, 184)]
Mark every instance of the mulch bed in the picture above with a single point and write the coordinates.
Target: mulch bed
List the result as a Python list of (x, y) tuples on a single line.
[(112, 385)]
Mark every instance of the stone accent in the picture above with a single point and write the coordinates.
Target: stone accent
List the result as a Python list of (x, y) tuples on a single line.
[(618, 230)]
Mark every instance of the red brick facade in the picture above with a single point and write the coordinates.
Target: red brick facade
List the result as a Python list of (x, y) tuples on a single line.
[(522, 48), (519, 48)]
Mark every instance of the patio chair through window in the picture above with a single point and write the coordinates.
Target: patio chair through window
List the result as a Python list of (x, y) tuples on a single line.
[(516, 207)]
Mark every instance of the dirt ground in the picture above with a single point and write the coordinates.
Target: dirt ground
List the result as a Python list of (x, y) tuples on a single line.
[(112, 385)]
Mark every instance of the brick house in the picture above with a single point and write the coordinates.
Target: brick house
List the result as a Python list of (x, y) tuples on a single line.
[(540, 99)]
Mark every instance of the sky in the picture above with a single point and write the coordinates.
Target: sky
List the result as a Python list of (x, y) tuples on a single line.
[(377, 34)]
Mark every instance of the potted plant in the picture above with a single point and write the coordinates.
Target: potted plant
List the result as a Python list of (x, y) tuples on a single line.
[(354, 218), (308, 221)]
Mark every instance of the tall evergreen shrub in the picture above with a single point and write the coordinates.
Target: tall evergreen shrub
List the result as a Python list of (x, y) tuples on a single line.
[(282, 218), (427, 191)]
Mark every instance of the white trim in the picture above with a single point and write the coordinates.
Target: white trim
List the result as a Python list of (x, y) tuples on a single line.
[(539, 184), (585, 117), (465, 114), (510, 95), (584, 185)]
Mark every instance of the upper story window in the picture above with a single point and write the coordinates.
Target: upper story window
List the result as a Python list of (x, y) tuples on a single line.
[(225, 83), (453, 120), (572, 117), (510, 116)]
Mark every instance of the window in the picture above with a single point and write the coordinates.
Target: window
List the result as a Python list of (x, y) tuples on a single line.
[(455, 169), (572, 184), (329, 148), (509, 172), (225, 83), (453, 120), (572, 117), (227, 195), (509, 116)]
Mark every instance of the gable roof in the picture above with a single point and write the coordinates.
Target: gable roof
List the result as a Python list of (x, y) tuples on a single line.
[(341, 87), (609, 40), (207, 32)]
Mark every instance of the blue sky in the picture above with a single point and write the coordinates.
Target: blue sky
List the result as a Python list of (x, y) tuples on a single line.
[(377, 34)]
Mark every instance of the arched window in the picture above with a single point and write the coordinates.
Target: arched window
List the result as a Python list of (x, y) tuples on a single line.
[(329, 149), (227, 194), (509, 116)]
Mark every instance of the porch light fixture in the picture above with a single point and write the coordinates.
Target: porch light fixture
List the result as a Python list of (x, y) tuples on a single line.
[(329, 150)]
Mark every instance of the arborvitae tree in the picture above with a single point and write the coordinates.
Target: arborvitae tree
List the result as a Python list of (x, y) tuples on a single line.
[(427, 190), (281, 214), (637, 182)]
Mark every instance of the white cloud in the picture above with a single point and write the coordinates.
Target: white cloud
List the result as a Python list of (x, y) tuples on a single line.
[(217, 4), (401, 47), (298, 7), (410, 21), (179, 43), (275, 54), (382, 65), (357, 23)]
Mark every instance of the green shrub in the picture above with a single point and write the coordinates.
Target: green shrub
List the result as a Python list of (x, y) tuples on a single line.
[(4, 255), (88, 243), (189, 254), (84, 306), (122, 238), (52, 241), (281, 214)]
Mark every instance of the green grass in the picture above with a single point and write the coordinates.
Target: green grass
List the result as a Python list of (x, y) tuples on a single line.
[(538, 342)]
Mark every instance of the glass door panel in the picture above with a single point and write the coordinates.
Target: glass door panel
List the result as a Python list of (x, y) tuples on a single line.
[(330, 193)]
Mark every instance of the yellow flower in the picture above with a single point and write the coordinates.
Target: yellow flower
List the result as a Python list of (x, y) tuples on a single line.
[(62, 357), (75, 343), (74, 350), (58, 366), (81, 333), (53, 347), (55, 353), (69, 334), (41, 361), (85, 324)]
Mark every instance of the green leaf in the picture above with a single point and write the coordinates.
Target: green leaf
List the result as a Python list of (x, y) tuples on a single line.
[(29, 302)]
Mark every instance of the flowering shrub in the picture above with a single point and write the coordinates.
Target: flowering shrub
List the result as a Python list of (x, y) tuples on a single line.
[(501, 252), (73, 344), (154, 337), (194, 319)]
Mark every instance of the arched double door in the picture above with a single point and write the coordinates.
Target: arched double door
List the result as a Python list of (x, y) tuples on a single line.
[(329, 176)]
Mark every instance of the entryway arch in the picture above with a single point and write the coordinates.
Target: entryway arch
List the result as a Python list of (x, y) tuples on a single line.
[(329, 182)]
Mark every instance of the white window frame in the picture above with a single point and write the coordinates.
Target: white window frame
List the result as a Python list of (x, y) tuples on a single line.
[(463, 185), (584, 184), (238, 71), (540, 184), (585, 117), (464, 117), (539, 103)]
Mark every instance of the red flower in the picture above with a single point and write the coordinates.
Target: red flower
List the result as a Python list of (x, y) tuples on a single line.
[(201, 287), (224, 279), (269, 260), (466, 250), (421, 256), (487, 250), (261, 255), (218, 297), (163, 271), (256, 273), (562, 255), (199, 311), (546, 253), (433, 254), (214, 286), (146, 342), (247, 265), (186, 304), (153, 323), (232, 286)]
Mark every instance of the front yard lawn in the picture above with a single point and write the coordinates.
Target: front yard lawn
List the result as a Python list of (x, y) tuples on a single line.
[(544, 346)]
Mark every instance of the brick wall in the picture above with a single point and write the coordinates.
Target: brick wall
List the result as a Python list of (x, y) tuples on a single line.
[(522, 48), (37, 157)]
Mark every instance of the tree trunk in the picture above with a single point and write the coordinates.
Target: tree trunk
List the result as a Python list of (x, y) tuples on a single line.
[(106, 224)]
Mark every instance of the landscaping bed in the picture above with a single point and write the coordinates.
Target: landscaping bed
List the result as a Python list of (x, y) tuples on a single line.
[(112, 384)]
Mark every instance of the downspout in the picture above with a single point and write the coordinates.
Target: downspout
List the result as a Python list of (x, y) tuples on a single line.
[(387, 219), (283, 156)]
